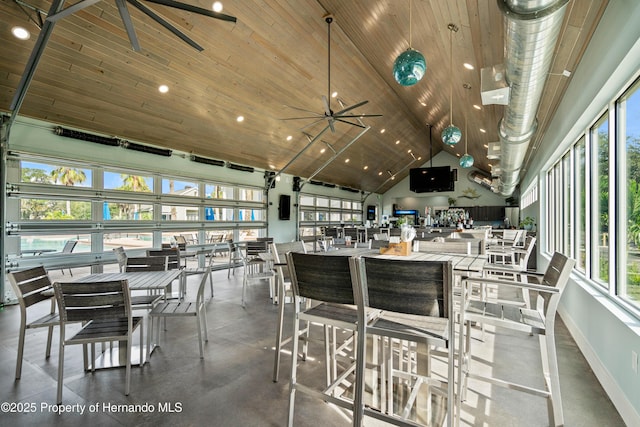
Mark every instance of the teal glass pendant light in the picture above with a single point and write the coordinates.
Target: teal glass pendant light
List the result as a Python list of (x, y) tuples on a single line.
[(466, 161), (451, 135), (410, 66)]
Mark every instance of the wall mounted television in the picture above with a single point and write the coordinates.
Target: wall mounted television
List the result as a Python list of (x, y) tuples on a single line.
[(434, 179)]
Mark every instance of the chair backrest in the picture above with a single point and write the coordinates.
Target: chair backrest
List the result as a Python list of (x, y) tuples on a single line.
[(256, 247), (279, 252), (30, 286), (139, 264), (413, 287), (203, 282), (528, 246), (180, 239), (377, 244), (477, 246), (319, 277), (459, 246), (69, 246), (93, 301), (121, 257), (172, 255), (556, 275)]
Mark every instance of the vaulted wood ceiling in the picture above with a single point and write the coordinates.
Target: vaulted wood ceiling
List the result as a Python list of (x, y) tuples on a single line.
[(272, 59)]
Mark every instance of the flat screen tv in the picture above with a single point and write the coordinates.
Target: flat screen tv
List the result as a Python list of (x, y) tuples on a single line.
[(425, 180)]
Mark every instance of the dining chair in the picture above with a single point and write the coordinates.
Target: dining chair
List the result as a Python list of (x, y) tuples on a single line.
[(173, 262), (68, 248), (326, 280), (121, 257), (538, 320), (258, 268), (283, 291), (167, 310), (416, 303), (459, 246), (31, 287), (236, 256), (208, 255), (105, 310), (143, 264)]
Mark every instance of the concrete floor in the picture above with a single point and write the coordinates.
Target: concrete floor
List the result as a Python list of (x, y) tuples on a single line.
[(233, 385)]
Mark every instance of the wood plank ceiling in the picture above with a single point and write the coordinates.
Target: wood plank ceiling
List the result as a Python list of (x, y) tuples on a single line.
[(272, 59)]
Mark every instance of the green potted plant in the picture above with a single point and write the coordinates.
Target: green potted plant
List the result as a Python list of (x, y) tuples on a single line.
[(452, 201), (527, 223)]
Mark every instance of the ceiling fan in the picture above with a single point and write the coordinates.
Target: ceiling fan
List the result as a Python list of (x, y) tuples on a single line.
[(328, 114), (128, 23)]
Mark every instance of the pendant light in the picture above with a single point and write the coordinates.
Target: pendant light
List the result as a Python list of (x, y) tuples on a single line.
[(410, 65), (451, 135), (466, 161)]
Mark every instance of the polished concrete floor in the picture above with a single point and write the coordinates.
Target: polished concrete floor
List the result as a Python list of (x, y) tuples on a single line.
[(232, 385)]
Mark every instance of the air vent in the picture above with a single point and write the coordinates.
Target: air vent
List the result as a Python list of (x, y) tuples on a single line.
[(480, 178)]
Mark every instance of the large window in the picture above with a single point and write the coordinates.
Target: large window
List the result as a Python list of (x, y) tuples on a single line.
[(593, 193), (628, 131)]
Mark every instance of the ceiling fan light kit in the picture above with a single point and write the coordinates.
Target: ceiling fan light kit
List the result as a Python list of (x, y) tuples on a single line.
[(410, 66)]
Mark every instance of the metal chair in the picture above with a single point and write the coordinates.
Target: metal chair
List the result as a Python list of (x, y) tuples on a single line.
[(283, 289), (208, 264), (121, 257), (32, 286), (140, 264), (325, 279), (182, 309), (105, 310), (416, 303), (539, 320), (68, 248)]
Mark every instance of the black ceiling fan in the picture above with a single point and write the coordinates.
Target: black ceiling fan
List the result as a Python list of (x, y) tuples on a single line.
[(128, 23), (328, 114)]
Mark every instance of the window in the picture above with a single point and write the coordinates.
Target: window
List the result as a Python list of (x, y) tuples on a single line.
[(117, 211), (179, 188), (628, 111), (67, 176), (600, 226), (128, 182), (580, 177), (54, 210)]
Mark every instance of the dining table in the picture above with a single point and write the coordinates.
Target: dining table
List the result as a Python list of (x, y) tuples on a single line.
[(151, 281)]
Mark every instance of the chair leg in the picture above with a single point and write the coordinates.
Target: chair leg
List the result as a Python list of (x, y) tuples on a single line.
[(128, 365), (20, 351), (149, 333), (279, 326), (141, 342), (294, 366), (211, 283), (60, 367), (198, 323), (550, 371), (358, 395), (49, 339)]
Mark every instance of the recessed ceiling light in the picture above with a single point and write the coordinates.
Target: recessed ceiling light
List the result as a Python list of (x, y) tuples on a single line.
[(163, 88), (379, 173), (366, 167), (289, 137), (382, 130), (397, 142), (409, 150), (458, 154), (477, 107), (393, 177), (272, 166), (346, 160), (482, 130), (468, 66), (420, 158), (322, 150), (334, 94), (240, 119), (486, 146), (217, 6), (20, 33), (424, 104)]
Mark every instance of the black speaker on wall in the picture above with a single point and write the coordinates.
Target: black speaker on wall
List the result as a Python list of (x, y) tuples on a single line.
[(284, 208)]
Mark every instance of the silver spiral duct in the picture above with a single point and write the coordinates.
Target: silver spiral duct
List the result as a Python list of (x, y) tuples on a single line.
[(531, 32)]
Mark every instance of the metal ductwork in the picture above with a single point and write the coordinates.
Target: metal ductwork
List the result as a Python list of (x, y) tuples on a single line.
[(531, 32)]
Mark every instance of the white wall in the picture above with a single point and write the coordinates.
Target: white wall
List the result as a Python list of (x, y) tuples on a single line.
[(604, 331)]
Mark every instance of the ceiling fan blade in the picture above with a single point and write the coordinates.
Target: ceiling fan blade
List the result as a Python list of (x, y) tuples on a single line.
[(128, 25), (332, 125), (302, 109), (356, 116), (351, 123), (73, 8), (195, 9), (359, 104), (150, 13), (311, 124), (327, 109), (304, 118)]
